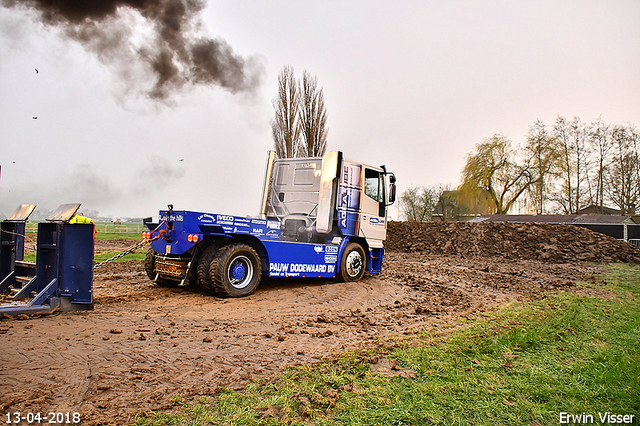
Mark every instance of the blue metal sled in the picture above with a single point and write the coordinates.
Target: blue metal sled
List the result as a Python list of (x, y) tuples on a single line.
[(62, 276)]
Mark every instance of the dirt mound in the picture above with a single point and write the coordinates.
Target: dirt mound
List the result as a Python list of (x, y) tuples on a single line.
[(533, 241)]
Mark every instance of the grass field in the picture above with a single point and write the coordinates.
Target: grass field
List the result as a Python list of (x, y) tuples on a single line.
[(134, 237), (565, 354), (101, 257), (103, 227), (137, 255), (118, 235)]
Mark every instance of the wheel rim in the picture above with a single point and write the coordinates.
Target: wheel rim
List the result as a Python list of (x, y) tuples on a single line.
[(353, 263), (240, 272)]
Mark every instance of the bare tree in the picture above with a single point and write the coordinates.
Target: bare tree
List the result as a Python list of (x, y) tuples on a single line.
[(492, 168), (573, 163), (600, 142), (300, 123), (414, 204), (313, 118), (418, 203), (623, 186), (286, 126), (543, 152)]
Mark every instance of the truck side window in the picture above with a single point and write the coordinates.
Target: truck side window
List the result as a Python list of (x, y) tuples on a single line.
[(373, 185), (283, 173)]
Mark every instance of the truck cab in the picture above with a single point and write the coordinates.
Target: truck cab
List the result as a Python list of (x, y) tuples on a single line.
[(323, 217)]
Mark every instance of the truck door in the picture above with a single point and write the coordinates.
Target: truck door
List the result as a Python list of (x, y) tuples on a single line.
[(373, 224)]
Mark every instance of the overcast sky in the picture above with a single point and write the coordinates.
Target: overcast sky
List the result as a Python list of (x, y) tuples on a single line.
[(414, 85)]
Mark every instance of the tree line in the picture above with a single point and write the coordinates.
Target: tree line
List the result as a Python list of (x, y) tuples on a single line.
[(299, 126), (562, 168)]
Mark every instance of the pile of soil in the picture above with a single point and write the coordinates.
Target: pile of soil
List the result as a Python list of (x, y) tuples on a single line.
[(525, 241)]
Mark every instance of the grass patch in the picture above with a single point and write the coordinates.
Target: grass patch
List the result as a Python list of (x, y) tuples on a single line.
[(118, 235), (570, 352), (101, 257), (136, 255)]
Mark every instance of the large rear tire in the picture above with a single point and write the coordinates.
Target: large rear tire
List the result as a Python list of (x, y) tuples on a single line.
[(150, 269), (353, 263), (236, 270), (204, 264)]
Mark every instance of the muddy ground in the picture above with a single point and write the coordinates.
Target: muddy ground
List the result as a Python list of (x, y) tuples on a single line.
[(143, 344)]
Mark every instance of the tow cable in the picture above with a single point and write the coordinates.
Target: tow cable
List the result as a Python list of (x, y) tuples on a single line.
[(124, 253), (133, 248)]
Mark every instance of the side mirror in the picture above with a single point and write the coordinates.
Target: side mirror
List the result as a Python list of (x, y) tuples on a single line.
[(392, 189)]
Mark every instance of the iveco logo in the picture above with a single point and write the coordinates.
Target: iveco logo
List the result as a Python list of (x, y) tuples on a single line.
[(273, 224), (226, 218)]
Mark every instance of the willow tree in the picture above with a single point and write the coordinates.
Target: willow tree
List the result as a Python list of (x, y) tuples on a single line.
[(492, 168)]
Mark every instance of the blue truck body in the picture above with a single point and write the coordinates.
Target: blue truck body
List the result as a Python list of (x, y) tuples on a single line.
[(313, 223)]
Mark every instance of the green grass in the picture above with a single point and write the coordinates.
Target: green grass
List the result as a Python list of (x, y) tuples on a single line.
[(136, 255), (118, 235), (124, 230), (569, 352), (101, 257)]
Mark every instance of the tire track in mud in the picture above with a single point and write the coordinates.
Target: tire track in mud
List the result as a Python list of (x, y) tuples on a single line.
[(143, 344)]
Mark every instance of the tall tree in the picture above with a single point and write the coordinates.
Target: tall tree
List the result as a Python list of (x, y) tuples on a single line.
[(419, 203), (313, 118), (286, 126), (543, 152), (572, 163), (599, 140), (623, 184), (493, 168), (300, 124)]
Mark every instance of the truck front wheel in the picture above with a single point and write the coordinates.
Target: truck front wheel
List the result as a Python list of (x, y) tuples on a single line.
[(352, 264), (235, 271)]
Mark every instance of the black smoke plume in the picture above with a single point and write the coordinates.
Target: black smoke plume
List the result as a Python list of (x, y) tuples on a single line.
[(172, 49)]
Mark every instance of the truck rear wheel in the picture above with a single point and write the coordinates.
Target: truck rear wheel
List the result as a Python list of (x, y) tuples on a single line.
[(235, 271), (352, 264), (150, 269), (204, 279)]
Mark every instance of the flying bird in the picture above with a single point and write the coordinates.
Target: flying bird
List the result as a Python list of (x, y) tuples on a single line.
[(34, 117), (37, 72), (182, 159)]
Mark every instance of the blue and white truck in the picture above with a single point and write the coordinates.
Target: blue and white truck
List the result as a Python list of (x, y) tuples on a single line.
[(319, 217)]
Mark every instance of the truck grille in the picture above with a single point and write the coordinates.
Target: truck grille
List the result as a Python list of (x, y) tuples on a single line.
[(171, 267)]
